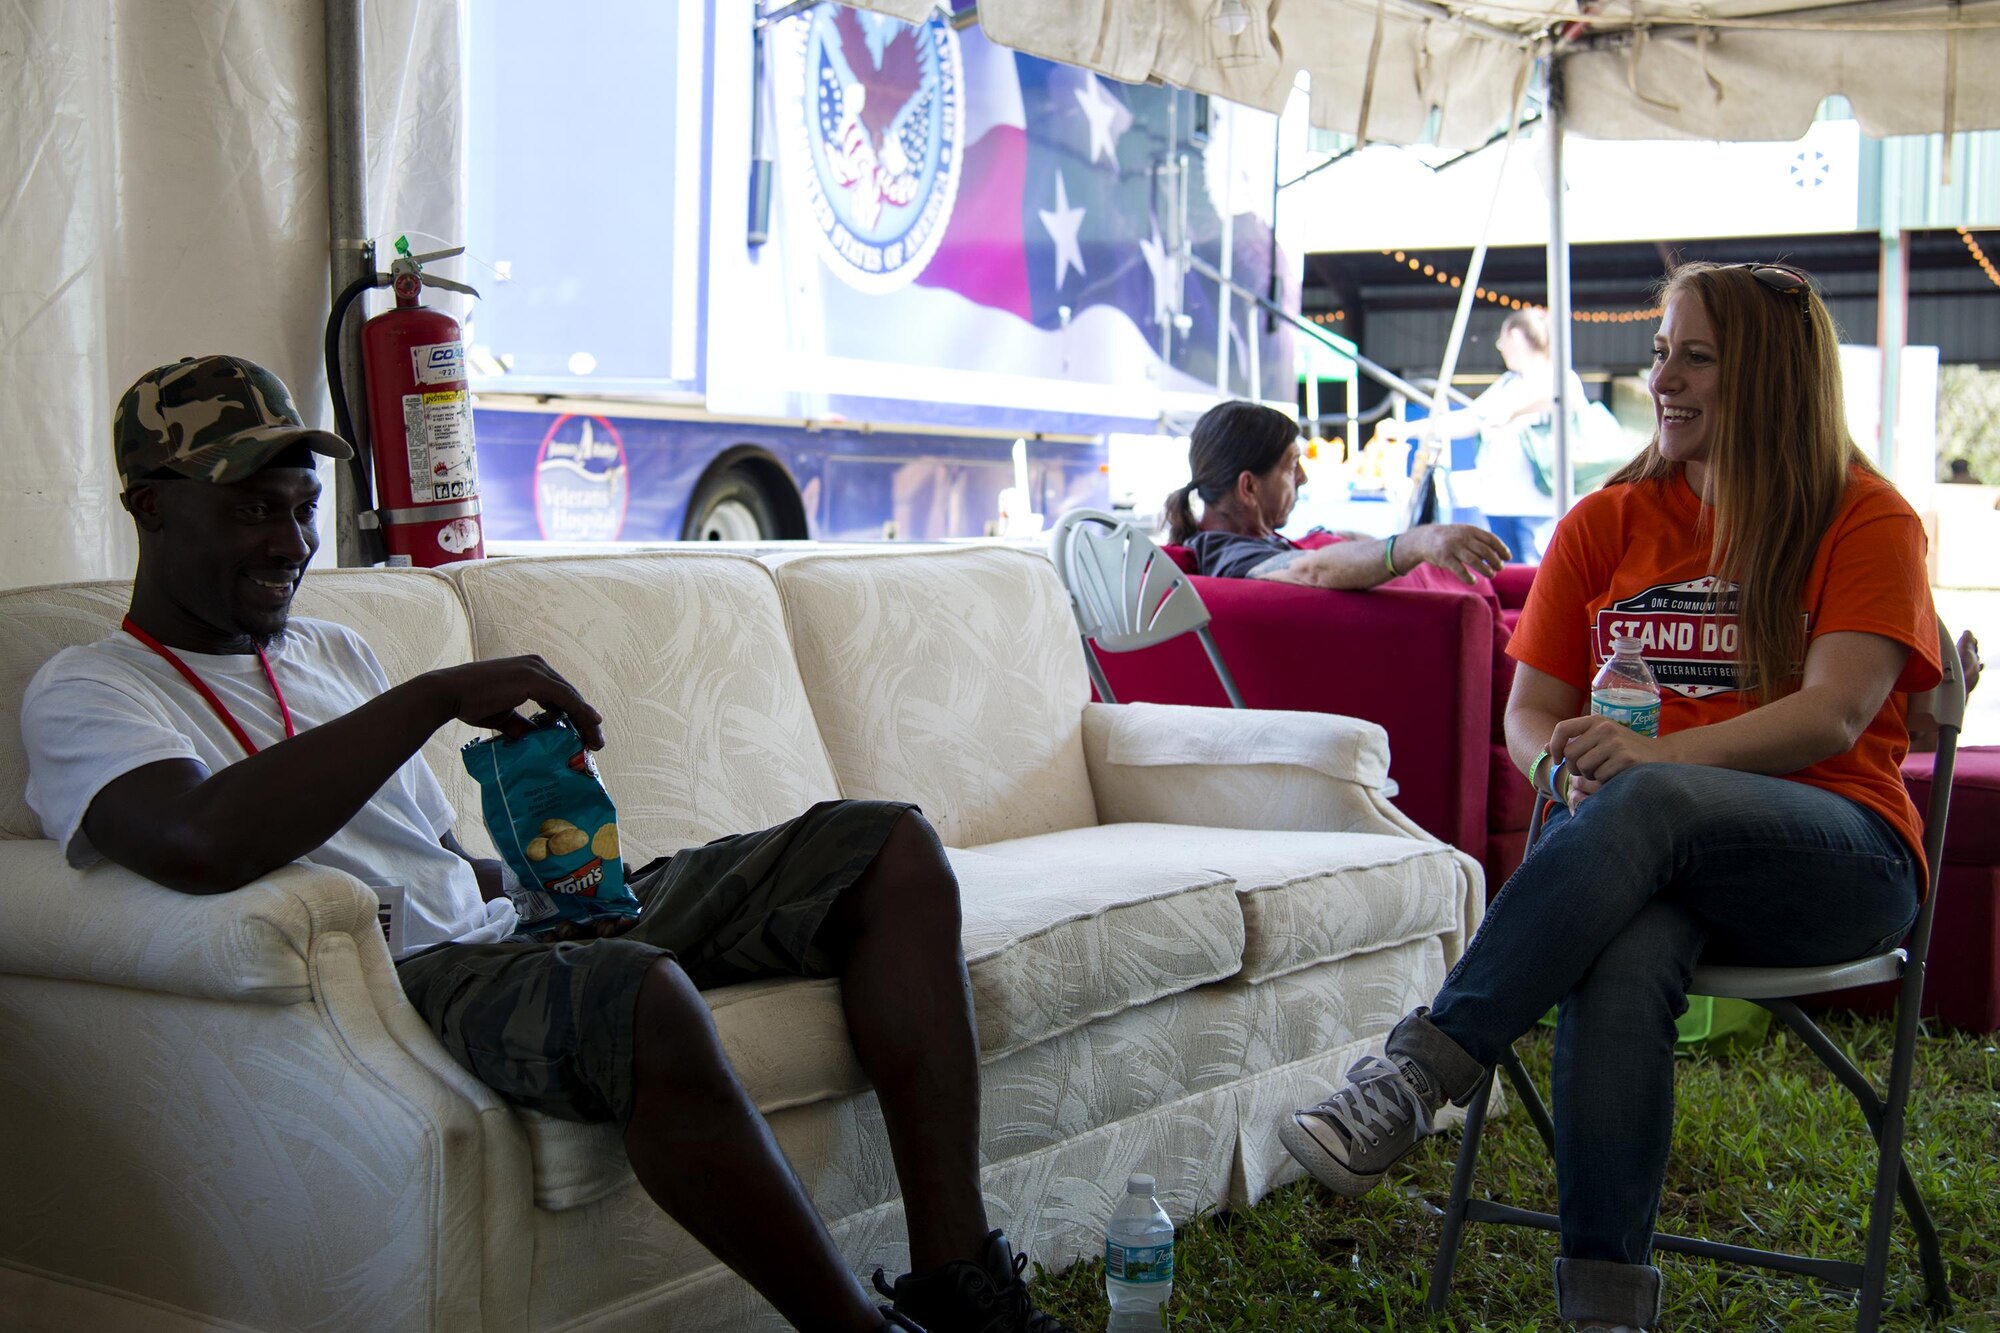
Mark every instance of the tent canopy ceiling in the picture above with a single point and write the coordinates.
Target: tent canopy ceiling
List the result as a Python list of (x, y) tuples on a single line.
[(1447, 71)]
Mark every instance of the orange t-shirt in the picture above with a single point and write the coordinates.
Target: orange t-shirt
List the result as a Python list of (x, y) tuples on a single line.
[(1634, 559)]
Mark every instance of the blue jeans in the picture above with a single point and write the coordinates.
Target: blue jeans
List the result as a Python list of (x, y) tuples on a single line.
[(1667, 865)]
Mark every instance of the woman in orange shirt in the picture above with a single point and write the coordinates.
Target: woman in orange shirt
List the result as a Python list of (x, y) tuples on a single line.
[(1777, 584)]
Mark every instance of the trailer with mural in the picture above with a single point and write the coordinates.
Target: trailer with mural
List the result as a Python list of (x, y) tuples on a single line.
[(909, 283)]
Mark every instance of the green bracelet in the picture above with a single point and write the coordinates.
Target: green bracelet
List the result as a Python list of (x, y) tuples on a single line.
[(1535, 768), (1389, 556)]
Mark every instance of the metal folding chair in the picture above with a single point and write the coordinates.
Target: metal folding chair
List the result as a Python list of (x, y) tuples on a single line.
[(1774, 989), (1126, 594)]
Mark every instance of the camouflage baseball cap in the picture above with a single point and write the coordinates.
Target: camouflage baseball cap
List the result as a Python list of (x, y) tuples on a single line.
[(213, 418)]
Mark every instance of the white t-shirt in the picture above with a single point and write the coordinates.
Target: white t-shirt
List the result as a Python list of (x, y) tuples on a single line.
[(1505, 480), (95, 713)]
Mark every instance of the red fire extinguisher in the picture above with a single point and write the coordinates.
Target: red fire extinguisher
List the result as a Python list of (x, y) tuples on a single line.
[(420, 422)]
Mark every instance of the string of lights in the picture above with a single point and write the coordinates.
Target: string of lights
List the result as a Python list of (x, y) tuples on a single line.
[(1979, 257), (1416, 264)]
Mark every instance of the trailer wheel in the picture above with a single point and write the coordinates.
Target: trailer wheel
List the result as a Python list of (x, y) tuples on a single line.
[(731, 505)]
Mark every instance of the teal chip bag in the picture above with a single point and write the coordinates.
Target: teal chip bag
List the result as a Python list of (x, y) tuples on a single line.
[(554, 824)]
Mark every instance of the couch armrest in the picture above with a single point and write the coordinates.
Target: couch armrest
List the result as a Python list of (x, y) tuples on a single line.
[(1418, 662), (241, 1073), (1240, 768), (117, 928)]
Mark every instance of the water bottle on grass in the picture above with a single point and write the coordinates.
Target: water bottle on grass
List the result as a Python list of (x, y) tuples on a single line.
[(1625, 690), (1138, 1261)]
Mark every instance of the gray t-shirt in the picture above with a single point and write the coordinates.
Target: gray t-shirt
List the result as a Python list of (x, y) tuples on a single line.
[(95, 713), (1236, 555)]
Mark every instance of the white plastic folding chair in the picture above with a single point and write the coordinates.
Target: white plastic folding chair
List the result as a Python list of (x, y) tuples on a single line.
[(1775, 988), (1126, 594)]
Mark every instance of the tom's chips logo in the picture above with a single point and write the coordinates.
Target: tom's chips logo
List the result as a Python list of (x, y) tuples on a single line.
[(583, 881)]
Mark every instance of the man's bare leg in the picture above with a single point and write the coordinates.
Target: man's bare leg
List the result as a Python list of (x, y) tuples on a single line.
[(909, 1014), (701, 1149)]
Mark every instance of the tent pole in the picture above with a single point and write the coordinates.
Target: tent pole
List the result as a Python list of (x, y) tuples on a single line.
[(347, 234), (1559, 326), (1892, 306), (1434, 440)]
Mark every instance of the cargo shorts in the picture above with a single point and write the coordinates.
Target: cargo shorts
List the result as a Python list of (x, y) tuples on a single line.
[(550, 1026)]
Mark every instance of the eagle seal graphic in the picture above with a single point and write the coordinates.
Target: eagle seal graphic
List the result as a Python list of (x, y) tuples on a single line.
[(877, 150)]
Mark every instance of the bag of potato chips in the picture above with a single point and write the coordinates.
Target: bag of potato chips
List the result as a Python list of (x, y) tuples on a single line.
[(553, 823)]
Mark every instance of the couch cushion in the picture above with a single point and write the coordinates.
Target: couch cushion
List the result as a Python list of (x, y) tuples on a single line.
[(1057, 935), (35, 625), (1504, 854), (412, 618), (1503, 676), (1051, 943), (1511, 585), (952, 678), (707, 727), (1306, 897), (1510, 801), (787, 1040), (1972, 827), (415, 622)]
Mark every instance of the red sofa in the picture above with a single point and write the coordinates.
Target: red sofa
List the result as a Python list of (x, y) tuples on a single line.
[(1428, 663), (1423, 660), (1962, 985)]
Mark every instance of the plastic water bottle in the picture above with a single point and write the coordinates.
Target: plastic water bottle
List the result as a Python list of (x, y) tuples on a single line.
[(1138, 1261), (1625, 690)]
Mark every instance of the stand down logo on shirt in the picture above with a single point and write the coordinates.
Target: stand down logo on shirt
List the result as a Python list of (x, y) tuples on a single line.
[(1687, 633), (876, 146)]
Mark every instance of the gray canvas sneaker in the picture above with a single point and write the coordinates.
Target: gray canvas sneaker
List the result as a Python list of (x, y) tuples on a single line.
[(1362, 1130)]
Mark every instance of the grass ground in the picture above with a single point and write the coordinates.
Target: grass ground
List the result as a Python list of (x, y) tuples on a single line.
[(1766, 1152)]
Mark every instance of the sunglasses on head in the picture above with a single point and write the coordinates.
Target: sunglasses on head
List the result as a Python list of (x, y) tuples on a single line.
[(1784, 281)]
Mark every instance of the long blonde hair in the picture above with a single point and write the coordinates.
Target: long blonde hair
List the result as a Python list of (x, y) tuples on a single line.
[(1778, 459)]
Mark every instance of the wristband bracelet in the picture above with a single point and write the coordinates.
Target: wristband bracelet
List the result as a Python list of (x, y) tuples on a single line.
[(1535, 768), (1559, 781), (1389, 556)]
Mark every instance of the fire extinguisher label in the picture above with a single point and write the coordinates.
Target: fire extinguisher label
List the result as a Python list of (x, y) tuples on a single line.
[(437, 426), (438, 363)]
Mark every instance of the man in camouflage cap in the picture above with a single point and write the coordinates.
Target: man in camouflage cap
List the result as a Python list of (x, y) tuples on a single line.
[(212, 418), (217, 738)]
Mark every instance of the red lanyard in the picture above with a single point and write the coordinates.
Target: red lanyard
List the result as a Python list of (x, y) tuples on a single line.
[(201, 686)]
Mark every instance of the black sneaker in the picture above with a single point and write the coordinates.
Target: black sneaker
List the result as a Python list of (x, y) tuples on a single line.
[(966, 1296), (1367, 1126)]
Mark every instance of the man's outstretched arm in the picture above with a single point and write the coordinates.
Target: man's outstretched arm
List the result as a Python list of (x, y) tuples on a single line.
[(1458, 549), (202, 832)]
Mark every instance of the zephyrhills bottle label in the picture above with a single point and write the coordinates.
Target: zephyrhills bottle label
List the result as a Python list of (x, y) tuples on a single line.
[(1643, 718), (1138, 1263)]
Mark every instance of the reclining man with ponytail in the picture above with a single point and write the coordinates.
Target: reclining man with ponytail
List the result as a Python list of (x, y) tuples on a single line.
[(1245, 463)]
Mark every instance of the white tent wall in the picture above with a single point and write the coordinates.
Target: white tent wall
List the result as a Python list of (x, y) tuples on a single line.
[(165, 169), (1768, 85), (1441, 71), (1423, 67)]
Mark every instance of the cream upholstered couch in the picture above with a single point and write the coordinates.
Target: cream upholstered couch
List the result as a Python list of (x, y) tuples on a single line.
[(220, 1112)]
